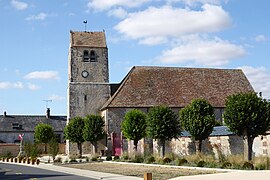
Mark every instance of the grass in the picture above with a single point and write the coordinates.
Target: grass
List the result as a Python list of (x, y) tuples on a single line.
[(158, 173)]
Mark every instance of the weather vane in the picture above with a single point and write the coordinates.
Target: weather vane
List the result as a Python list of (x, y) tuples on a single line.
[(85, 22)]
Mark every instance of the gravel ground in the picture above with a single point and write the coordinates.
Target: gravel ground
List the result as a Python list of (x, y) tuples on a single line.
[(158, 173)]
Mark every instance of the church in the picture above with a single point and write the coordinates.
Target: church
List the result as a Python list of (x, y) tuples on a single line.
[(90, 92)]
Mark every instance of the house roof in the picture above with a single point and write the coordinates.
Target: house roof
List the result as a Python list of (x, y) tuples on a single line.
[(177, 87), (28, 123), (88, 39), (217, 131)]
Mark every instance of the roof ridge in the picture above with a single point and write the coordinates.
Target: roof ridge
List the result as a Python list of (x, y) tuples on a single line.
[(175, 67)]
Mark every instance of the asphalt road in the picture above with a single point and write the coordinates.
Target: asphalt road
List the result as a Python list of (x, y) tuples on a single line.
[(18, 172)]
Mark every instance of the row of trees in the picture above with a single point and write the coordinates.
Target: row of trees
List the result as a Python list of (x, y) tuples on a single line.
[(90, 128), (162, 124), (247, 115)]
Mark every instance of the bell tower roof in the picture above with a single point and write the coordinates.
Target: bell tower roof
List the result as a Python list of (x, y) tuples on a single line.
[(88, 39)]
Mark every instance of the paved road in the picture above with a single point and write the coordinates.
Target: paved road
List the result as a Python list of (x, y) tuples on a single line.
[(18, 172)]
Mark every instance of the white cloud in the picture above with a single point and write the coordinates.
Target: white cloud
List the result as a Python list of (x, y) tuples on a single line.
[(102, 5), (19, 5), (55, 97), (39, 17), (154, 40), (42, 75), (205, 52), (194, 2), (259, 77), (168, 21), (260, 38), (118, 12), (33, 87), (9, 85)]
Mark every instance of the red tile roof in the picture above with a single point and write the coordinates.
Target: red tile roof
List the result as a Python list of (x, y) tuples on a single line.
[(177, 87), (88, 39)]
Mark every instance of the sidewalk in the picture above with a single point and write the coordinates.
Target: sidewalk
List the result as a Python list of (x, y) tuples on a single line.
[(80, 172)]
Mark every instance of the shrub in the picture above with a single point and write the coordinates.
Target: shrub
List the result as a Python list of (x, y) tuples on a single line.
[(247, 165), (116, 158), (150, 159), (94, 158), (7, 154), (138, 159), (166, 160), (201, 164), (72, 160), (260, 167), (53, 148), (108, 158), (125, 157), (181, 162), (226, 165), (58, 159)]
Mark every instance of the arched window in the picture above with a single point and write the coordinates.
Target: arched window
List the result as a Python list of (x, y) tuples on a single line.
[(86, 56), (93, 56)]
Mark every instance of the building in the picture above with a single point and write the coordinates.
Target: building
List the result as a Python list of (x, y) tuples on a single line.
[(13, 125), (89, 90)]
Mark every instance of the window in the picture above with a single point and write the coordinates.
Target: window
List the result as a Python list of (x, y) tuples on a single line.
[(16, 126), (93, 56), (86, 56)]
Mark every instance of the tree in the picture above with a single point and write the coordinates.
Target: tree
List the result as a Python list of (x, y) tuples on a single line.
[(247, 115), (162, 125), (93, 130), (43, 134), (74, 132), (134, 126), (198, 119)]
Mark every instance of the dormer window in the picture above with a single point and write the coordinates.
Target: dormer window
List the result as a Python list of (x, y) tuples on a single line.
[(86, 56), (16, 126), (93, 56)]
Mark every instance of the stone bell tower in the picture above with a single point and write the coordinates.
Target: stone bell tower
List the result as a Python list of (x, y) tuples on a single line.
[(88, 74)]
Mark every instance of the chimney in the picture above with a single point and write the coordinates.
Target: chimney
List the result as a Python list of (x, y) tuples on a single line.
[(5, 114), (48, 113)]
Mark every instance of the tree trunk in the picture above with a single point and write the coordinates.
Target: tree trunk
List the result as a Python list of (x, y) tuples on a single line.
[(135, 147), (45, 148), (198, 146), (248, 143), (79, 145), (94, 147), (162, 147)]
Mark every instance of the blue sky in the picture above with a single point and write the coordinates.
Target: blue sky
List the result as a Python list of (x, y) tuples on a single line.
[(34, 42)]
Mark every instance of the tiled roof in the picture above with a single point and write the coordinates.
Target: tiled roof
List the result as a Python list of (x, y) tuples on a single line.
[(177, 87), (217, 131), (28, 123), (88, 39)]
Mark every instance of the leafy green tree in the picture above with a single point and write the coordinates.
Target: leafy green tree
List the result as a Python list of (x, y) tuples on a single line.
[(93, 130), (198, 119), (134, 126), (43, 134), (162, 125), (247, 115), (74, 132)]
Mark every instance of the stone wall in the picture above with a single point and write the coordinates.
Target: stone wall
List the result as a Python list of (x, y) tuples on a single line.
[(12, 148)]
